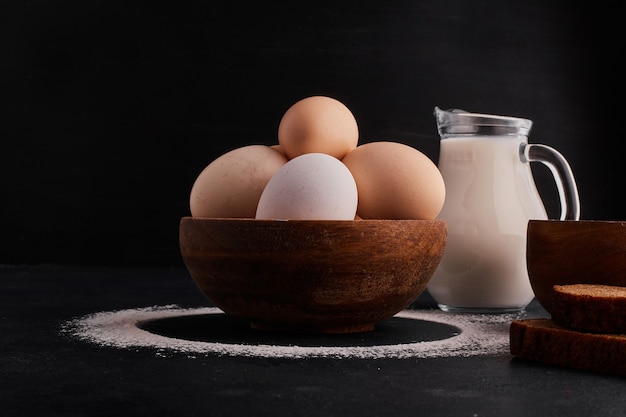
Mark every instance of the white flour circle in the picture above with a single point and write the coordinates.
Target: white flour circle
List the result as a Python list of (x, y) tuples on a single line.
[(480, 334)]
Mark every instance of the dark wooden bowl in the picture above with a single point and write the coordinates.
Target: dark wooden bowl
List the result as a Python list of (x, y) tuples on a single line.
[(311, 276), (574, 252)]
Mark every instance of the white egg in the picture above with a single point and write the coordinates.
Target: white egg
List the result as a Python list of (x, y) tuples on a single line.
[(312, 186)]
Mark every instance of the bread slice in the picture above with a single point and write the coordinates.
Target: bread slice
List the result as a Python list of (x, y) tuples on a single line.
[(590, 308), (544, 341)]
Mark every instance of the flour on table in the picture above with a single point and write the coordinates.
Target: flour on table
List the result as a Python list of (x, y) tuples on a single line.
[(480, 334)]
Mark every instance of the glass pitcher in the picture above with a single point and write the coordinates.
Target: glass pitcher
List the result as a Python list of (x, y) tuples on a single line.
[(490, 196)]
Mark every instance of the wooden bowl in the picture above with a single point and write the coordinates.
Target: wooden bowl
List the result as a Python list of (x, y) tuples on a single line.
[(560, 252), (311, 276)]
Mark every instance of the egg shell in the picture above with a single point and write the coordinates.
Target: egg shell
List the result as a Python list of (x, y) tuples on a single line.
[(318, 124), (313, 186), (231, 185), (395, 181)]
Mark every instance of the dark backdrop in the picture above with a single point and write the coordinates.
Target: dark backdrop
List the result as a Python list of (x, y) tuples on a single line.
[(112, 108)]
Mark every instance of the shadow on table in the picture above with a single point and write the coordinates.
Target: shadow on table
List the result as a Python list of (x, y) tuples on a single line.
[(221, 328)]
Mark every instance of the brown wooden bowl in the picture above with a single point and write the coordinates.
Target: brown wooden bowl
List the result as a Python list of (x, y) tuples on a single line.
[(311, 276), (560, 252)]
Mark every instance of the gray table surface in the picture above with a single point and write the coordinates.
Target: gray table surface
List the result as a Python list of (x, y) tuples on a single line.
[(44, 371)]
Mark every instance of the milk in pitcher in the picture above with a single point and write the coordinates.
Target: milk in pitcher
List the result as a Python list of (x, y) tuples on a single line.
[(487, 209), (490, 197)]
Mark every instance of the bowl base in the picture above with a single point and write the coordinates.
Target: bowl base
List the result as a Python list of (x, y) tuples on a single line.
[(309, 328), (481, 310)]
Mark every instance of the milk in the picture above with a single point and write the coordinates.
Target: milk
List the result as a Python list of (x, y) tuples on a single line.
[(490, 196)]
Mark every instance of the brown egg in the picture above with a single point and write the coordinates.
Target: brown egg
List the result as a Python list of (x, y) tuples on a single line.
[(395, 181), (318, 124), (232, 184)]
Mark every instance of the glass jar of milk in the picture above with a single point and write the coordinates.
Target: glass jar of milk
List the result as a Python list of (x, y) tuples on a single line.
[(490, 197)]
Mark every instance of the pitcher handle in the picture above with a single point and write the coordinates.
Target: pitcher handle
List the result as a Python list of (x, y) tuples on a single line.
[(562, 173)]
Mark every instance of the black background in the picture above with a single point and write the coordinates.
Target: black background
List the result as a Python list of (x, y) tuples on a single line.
[(112, 108)]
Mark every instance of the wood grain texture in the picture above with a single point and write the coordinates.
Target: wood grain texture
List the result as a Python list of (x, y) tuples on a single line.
[(312, 276), (574, 252)]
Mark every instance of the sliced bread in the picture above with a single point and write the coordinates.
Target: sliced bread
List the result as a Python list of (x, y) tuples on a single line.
[(544, 341), (590, 308)]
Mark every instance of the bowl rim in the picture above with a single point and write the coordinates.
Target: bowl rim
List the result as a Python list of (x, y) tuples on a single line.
[(301, 221), (583, 221)]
